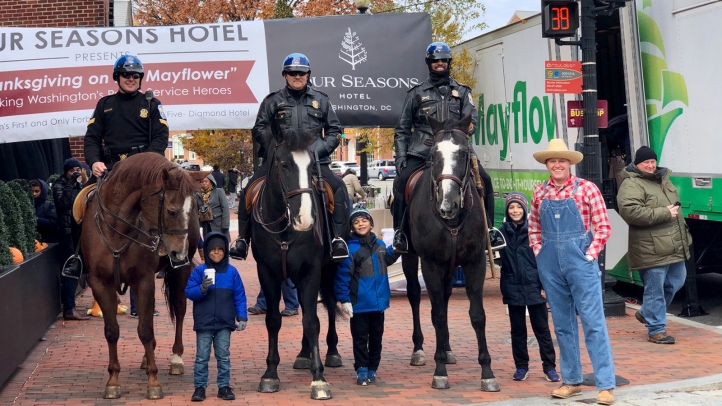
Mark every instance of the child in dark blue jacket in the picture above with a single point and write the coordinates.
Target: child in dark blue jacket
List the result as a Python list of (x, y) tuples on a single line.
[(362, 286), (216, 309), (521, 290)]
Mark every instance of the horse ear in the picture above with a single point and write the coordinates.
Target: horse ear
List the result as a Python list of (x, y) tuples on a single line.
[(465, 124), (172, 177), (198, 176), (276, 132), (435, 124), (311, 135)]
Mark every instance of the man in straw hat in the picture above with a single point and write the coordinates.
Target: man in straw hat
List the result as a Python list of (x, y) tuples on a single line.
[(569, 217)]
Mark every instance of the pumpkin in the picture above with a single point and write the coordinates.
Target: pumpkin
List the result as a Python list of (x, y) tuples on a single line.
[(17, 255), (39, 246)]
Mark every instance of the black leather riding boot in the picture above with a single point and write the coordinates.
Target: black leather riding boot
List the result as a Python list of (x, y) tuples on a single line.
[(72, 268), (240, 248), (398, 209), (339, 249)]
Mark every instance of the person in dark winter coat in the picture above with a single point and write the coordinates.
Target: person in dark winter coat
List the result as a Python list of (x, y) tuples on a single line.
[(213, 200), (219, 307), (362, 286), (219, 177), (44, 211), (521, 290)]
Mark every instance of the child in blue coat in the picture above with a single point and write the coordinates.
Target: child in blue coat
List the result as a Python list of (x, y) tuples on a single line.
[(216, 309), (521, 290), (362, 286)]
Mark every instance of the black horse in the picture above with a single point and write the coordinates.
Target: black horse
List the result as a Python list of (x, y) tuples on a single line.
[(446, 228), (289, 242)]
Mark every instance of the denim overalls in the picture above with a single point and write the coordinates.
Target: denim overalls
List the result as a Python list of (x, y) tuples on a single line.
[(570, 282)]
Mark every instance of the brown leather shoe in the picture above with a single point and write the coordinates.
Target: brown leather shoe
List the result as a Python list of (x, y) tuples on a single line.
[(661, 338), (605, 397), (566, 391), (72, 314)]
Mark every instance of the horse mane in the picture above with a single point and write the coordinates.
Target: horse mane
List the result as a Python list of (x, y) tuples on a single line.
[(148, 168)]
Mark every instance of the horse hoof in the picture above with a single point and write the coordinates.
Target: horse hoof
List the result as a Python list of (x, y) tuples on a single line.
[(450, 357), (144, 363), (111, 392), (269, 385), (176, 369), (440, 382), (333, 361), (490, 385), (302, 363), (320, 390), (418, 358), (154, 393)]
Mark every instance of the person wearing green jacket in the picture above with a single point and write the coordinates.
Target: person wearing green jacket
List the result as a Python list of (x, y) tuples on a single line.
[(659, 238)]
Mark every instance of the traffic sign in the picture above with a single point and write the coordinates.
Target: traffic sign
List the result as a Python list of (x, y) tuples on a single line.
[(563, 77), (575, 113)]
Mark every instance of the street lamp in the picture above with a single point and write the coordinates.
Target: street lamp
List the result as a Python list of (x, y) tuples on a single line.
[(362, 5)]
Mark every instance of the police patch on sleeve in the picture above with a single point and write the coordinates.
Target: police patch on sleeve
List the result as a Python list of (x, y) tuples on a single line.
[(161, 111), (471, 100)]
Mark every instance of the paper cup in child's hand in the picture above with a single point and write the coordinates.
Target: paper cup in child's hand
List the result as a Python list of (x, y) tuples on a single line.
[(211, 273)]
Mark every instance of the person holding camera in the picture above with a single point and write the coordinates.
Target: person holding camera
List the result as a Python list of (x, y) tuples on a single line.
[(65, 190), (659, 238), (213, 211)]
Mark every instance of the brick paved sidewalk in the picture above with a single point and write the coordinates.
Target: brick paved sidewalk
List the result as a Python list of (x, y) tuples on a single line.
[(70, 367)]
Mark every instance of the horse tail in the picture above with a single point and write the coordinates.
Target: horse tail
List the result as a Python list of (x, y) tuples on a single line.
[(174, 284)]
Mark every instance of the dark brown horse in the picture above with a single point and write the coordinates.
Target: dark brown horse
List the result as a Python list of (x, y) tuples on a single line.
[(141, 220)]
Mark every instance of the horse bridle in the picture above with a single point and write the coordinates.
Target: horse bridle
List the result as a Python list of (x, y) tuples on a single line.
[(154, 240), (258, 212), (463, 183)]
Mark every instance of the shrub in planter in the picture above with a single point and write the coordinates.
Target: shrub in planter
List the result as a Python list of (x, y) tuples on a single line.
[(5, 256), (24, 195), (12, 217)]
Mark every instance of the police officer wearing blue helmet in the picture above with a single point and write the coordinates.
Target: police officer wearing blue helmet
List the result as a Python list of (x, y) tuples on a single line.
[(299, 106), (440, 97), (125, 123)]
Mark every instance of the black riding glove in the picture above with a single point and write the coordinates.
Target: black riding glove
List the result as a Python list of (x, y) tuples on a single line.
[(400, 164), (207, 282)]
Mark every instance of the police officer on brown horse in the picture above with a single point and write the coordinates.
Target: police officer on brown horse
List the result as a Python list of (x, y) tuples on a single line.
[(440, 97), (298, 106)]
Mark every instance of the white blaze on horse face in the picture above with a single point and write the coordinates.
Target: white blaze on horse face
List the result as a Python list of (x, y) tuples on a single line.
[(304, 221), (187, 205), (447, 149)]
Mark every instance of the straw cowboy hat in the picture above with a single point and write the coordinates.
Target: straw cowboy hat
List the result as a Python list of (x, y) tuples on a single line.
[(558, 149)]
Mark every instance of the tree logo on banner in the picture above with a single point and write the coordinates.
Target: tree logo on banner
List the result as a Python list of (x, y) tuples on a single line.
[(352, 49)]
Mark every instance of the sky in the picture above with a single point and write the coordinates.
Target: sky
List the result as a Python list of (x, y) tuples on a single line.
[(499, 12)]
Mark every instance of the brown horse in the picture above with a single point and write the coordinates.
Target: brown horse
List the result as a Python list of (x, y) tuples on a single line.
[(141, 220)]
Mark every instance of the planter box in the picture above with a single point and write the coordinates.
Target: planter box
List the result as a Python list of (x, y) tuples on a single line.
[(29, 303)]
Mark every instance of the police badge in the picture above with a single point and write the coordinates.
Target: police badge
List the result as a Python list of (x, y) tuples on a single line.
[(143, 113), (314, 104), (455, 93)]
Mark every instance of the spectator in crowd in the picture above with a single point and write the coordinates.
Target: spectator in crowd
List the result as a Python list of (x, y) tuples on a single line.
[(568, 228), (65, 191), (219, 177), (232, 185), (219, 307), (353, 186), (521, 291), (214, 214), (362, 286), (290, 300), (659, 239), (47, 225)]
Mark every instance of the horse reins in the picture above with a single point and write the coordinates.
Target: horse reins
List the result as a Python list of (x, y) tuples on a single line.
[(155, 240), (258, 213)]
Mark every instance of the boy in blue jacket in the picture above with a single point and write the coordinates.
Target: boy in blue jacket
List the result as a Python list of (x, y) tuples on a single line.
[(216, 309), (362, 286), (521, 290)]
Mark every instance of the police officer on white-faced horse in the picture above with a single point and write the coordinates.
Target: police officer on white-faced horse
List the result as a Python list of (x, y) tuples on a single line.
[(298, 106)]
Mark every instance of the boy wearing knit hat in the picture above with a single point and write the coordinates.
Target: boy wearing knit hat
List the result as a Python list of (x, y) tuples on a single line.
[(362, 286), (521, 290)]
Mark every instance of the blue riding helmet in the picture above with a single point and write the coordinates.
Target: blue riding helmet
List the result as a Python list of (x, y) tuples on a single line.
[(296, 62), (438, 50), (127, 63)]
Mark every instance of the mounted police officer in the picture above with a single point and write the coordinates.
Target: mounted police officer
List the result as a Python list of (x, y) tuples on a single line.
[(125, 123), (299, 106), (441, 97)]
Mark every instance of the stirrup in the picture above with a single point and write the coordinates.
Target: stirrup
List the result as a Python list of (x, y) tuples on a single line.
[(337, 254), (237, 252), (400, 243), (68, 274)]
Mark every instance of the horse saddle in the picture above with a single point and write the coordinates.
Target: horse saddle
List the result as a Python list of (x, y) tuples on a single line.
[(254, 190), (411, 184), (81, 202)]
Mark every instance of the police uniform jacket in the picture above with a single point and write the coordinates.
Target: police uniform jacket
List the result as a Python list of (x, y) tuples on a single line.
[(422, 100), (312, 110), (123, 121)]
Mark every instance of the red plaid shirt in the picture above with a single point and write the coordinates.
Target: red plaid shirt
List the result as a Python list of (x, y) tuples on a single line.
[(590, 204)]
